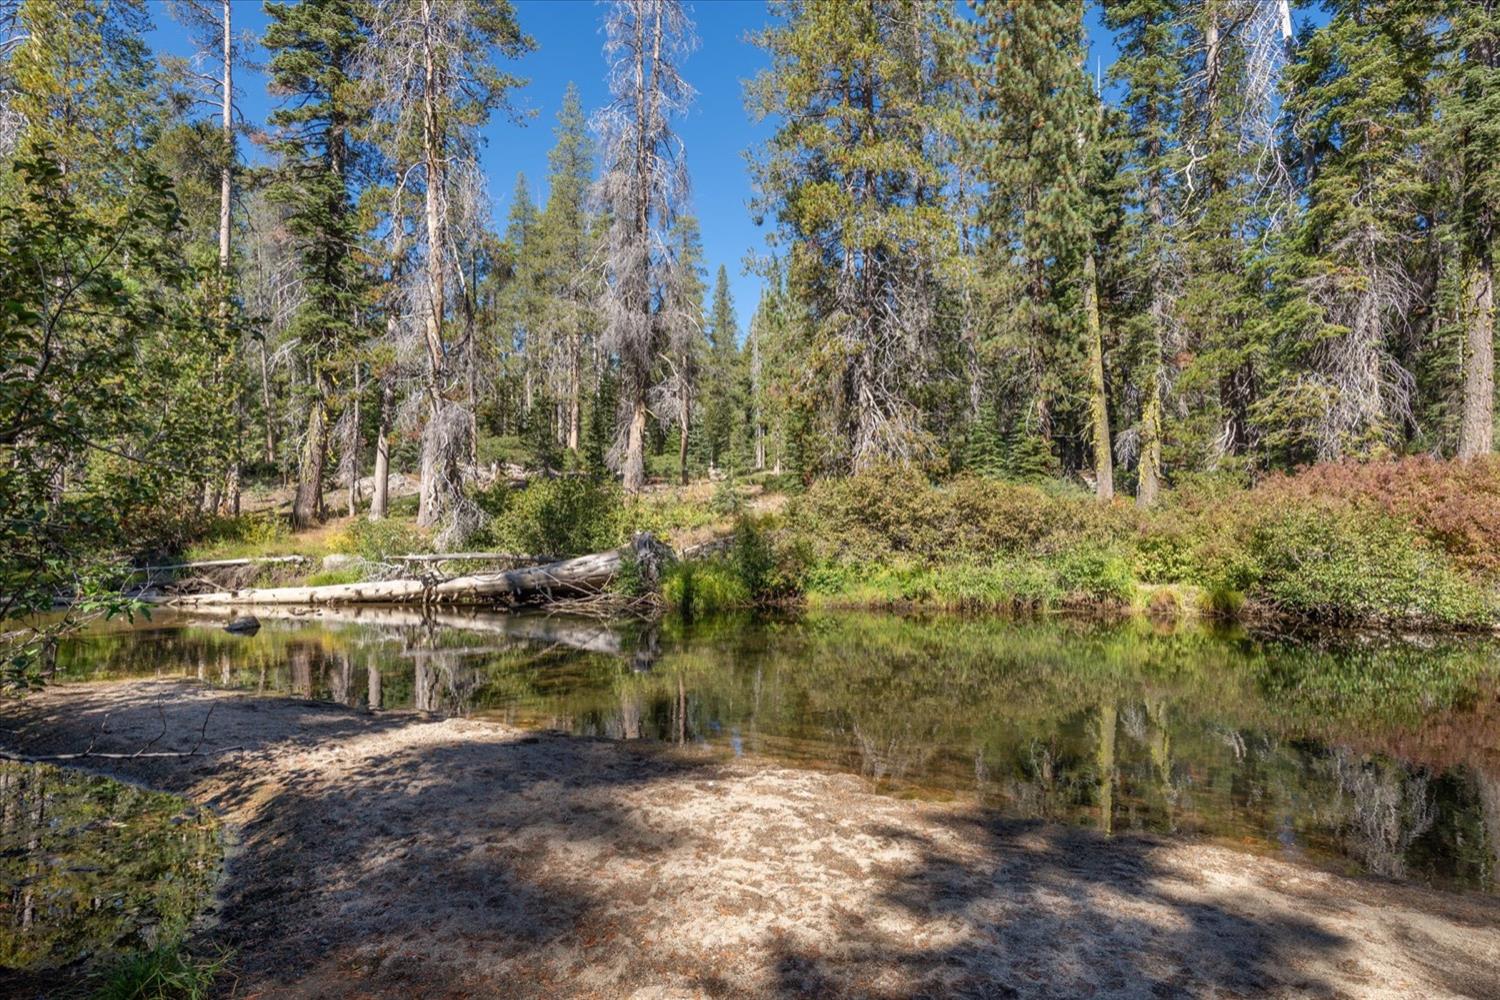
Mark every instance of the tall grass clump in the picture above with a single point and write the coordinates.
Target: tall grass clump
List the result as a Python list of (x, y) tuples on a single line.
[(164, 973)]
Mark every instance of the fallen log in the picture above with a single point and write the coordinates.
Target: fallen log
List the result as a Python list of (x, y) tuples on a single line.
[(588, 634), (219, 563), (583, 575), (518, 557)]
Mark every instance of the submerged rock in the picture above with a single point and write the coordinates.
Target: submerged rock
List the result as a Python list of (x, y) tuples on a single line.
[(244, 625)]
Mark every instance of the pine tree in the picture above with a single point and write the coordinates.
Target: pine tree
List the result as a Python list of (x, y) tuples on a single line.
[(1357, 101), (314, 47), (436, 77), (680, 384), (1470, 120), (566, 248), (1150, 69), (1036, 105), (723, 397), (644, 187), (856, 175)]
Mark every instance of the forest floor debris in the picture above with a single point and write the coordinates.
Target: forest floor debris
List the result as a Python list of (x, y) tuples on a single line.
[(391, 854)]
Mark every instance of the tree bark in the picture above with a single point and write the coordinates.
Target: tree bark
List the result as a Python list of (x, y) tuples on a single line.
[(381, 488), (584, 574), (573, 390), (1104, 466), (265, 402), (352, 444), (307, 506), (682, 443), (430, 504), (1476, 432), (1148, 488), (633, 474)]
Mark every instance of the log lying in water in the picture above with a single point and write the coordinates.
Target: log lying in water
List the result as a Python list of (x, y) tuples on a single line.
[(583, 575), (588, 634)]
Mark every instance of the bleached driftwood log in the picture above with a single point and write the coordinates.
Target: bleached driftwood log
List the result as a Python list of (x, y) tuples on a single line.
[(220, 563), (583, 575), (587, 634)]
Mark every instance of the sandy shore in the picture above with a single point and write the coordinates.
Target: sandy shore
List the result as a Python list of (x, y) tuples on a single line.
[(392, 855)]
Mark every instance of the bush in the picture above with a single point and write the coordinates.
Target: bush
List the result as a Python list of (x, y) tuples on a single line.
[(377, 541), (888, 512), (1453, 505), (1338, 566), (567, 516), (1094, 574), (704, 588), (756, 570)]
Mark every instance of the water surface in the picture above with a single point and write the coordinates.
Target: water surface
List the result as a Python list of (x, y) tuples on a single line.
[(1365, 754), (92, 866)]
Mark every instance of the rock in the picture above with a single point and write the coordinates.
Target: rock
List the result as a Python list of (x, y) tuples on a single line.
[(338, 560), (244, 625)]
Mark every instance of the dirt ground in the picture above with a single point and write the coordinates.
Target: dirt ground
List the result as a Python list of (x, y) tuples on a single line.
[(395, 855)]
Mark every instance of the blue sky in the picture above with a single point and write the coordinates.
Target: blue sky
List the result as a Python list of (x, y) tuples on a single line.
[(716, 131)]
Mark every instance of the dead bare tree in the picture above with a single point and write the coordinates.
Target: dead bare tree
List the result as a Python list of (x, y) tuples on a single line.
[(643, 186), (435, 83), (12, 34)]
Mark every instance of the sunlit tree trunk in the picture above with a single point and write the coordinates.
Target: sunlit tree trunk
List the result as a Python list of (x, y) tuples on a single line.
[(1477, 429), (1104, 466), (307, 506), (435, 455), (382, 482)]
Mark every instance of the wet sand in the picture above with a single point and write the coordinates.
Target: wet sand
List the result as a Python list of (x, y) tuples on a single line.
[(390, 854)]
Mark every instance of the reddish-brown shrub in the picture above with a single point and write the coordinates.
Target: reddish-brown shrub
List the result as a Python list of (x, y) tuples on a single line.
[(1455, 506)]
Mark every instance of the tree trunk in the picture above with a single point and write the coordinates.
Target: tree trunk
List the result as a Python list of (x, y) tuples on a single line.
[(573, 392), (307, 506), (265, 402), (431, 504), (226, 170), (1476, 432), (682, 444), (1104, 466), (1148, 489), (351, 461), (1105, 761), (381, 487), (633, 473), (584, 574)]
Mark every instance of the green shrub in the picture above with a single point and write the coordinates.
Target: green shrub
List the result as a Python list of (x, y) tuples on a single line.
[(1338, 566), (1224, 602), (663, 514), (334, 577), (242, 535), (377, 541), (1165, 552), (1094, 574), (566, 516), (727, 500), (701, 588)]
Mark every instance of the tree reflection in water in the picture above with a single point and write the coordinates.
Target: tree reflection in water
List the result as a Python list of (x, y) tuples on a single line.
[(92, 866), (1371, 753)]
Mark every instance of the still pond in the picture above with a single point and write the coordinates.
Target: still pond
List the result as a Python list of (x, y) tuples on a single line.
[(1365, 754)]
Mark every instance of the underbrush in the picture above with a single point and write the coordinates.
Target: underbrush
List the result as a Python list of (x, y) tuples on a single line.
[(1350, 544), (757, 569)]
